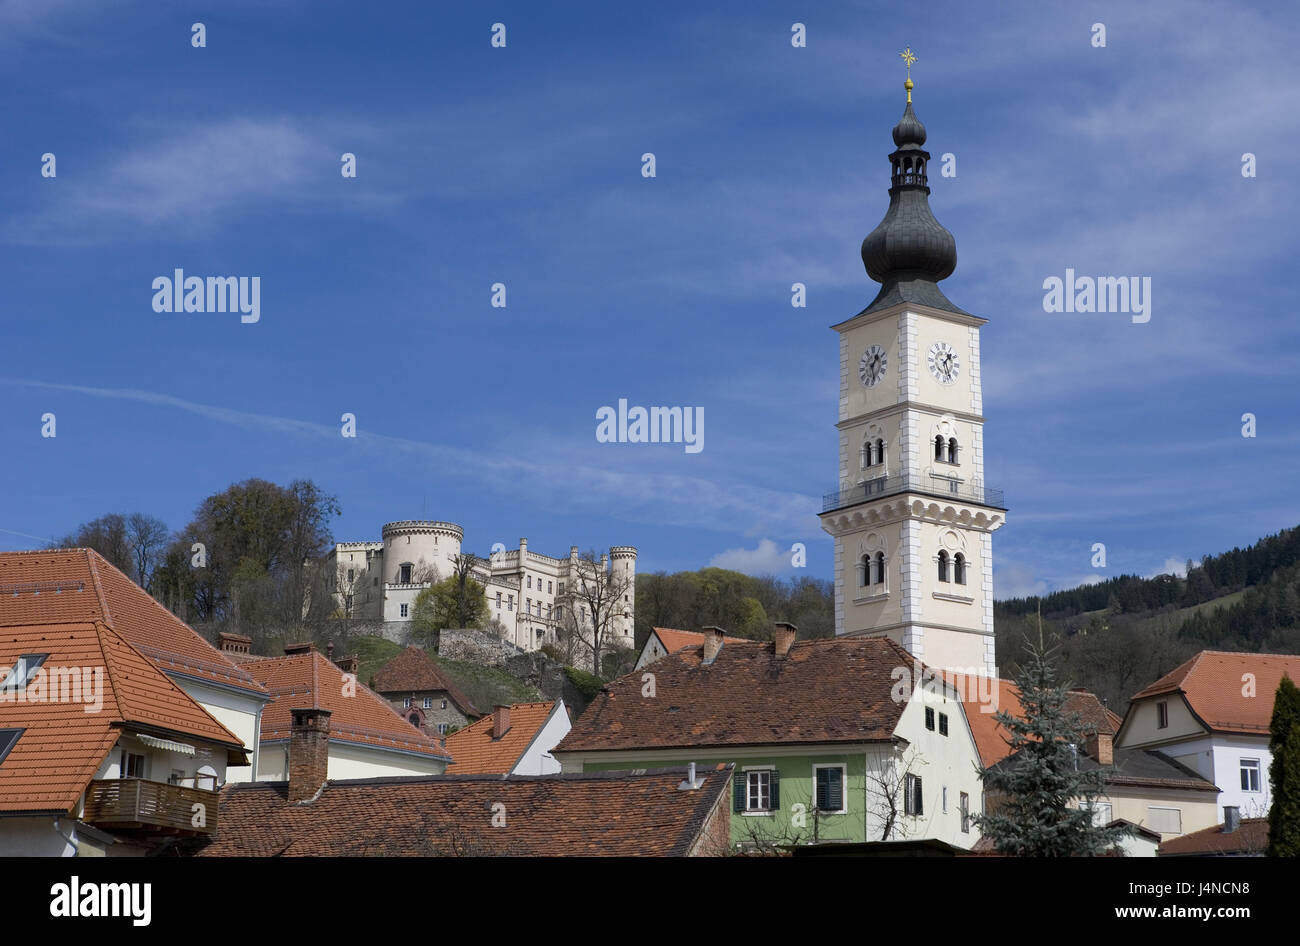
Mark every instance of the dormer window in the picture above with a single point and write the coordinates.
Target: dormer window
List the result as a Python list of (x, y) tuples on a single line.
[(8, 739)]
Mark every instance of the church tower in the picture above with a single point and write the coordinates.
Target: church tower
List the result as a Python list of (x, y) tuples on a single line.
[(911, 517)]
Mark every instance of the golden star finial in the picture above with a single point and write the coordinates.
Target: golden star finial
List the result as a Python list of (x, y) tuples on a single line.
[(908, 58)]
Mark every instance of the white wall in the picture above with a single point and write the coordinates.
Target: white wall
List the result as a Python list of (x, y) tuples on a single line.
[(35, 837), (537, 760), (239, 714), (350, 760)]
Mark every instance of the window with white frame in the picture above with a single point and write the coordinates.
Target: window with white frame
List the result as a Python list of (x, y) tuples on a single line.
[(406, 703), (428, 702), (406, 610), (761, 786), (829, 783), (1250, 775), (913, 803)]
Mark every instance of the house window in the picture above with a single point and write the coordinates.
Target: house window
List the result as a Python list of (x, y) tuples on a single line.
[(929, 718), (943, 726), (8, 739), (943, 566), (498, 601), (943, 794), (761, 790), (406, 610), (561, 587), (442, 729), (1250, 775), (964, 803), (829, 780), (510, 605), (1162, 715), (22, 672), (959, 568), (528, 609), (548, 612), (1165, 820), (912, 803), (131, 765), (406, 703), (444, 704), (548, 587), (428, 702), (530, 581), (404, 574), (1101, 814)]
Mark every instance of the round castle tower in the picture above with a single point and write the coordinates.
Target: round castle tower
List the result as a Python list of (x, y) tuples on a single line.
[(623, 568), (412, 546)]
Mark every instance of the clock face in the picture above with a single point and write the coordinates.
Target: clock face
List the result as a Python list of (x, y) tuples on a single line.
[(872, 367), (944, 364)]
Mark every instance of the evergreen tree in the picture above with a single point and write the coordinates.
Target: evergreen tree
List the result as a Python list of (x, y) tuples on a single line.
[(1284, 774), (1046, 802)]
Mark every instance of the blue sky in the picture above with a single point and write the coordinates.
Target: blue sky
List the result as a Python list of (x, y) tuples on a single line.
[(522, 166)]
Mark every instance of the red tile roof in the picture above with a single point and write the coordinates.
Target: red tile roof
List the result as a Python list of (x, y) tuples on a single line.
[(824, 691), (991, 738), (309, 679), (1251, 837), (602, 813), (477, 753), (61, 585), (674, 640), (63, 745), (413, 671), (1213, 682)]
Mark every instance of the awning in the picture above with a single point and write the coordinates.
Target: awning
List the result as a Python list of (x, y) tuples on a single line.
[(156, 743)]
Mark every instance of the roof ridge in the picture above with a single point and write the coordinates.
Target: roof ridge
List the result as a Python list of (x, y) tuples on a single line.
[(108, 667), (99, 588)]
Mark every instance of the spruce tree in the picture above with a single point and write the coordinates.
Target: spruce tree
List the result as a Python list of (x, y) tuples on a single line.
[(1284, 773), (1045, 809)]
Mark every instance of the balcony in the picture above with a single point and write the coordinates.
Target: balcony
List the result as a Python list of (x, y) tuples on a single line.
[(937, 486), (139, 804)]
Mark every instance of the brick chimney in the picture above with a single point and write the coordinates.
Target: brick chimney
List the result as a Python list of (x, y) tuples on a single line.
[(713, 636), (500, 720), (1101, 746), (233, 643), (783, 636), (309, 752)]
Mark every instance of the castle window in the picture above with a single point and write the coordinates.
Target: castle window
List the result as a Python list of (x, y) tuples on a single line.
[(880, 568), (498, 601), (864, 575), (880, 451), (952, 450), (938, 447), (959, 568), (406, 608), (404, 574), (510, 604), (530, 581), (548, 587), (943, 566), (866, 454), (351, 574), (559, 612)]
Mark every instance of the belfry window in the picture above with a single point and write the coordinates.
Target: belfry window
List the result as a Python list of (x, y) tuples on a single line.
[(938, 447), (880, 568), (864, 571), (952, 450), (943, 566), (959, 568)]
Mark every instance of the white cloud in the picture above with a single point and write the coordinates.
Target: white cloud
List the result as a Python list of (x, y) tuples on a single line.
[(1016, 581), (767, 559), (1172, 566)]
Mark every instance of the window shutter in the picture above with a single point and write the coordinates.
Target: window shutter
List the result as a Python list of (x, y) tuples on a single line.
[(821, 790), (776, 789), (738, 783), (836, 793)]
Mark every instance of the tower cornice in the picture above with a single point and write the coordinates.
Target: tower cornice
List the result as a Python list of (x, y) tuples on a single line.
[(867, 316), (910, 406)]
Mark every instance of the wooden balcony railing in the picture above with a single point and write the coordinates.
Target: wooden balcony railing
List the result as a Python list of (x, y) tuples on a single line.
[(131, 803)]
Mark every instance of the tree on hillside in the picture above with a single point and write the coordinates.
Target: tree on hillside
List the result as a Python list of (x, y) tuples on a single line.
[(595, 604), (135, 544), (1044, 803), (456, 601), (1284, 773)]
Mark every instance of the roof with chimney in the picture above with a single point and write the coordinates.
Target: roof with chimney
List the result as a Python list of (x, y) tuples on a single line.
[(63, 585), (835, 690), (991, 737), (477, 749), (305, 678), (61, 742), (1212, 682), (674, 640), (1139, 768), (1249, 838), (414, 671), (646, 813)]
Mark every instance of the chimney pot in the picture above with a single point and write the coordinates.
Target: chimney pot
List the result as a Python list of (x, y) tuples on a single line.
[(713, 636), (233, 643), (1231, 818), (783, 637), (309, 752), (500, 720)]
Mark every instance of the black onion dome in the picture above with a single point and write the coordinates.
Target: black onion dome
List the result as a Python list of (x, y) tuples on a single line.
[(910, 251)]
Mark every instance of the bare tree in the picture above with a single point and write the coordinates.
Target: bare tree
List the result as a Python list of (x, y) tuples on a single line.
[(595, 603), (886, 792)]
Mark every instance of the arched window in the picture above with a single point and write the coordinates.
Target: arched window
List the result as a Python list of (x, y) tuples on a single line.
[(938, 447), (952, 450), (943, 566), (415, 720), (880, 451), (864, 575), (959, 568), (866, 454), (880, 568)]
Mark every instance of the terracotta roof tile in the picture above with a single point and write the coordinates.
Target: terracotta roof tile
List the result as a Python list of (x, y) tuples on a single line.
[(63, 745), (477, 753), (674, 639), (1212, 683), (309, 679), (603, 813), (60, 585), (1251, 837), (823, 691), (413, 670)]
